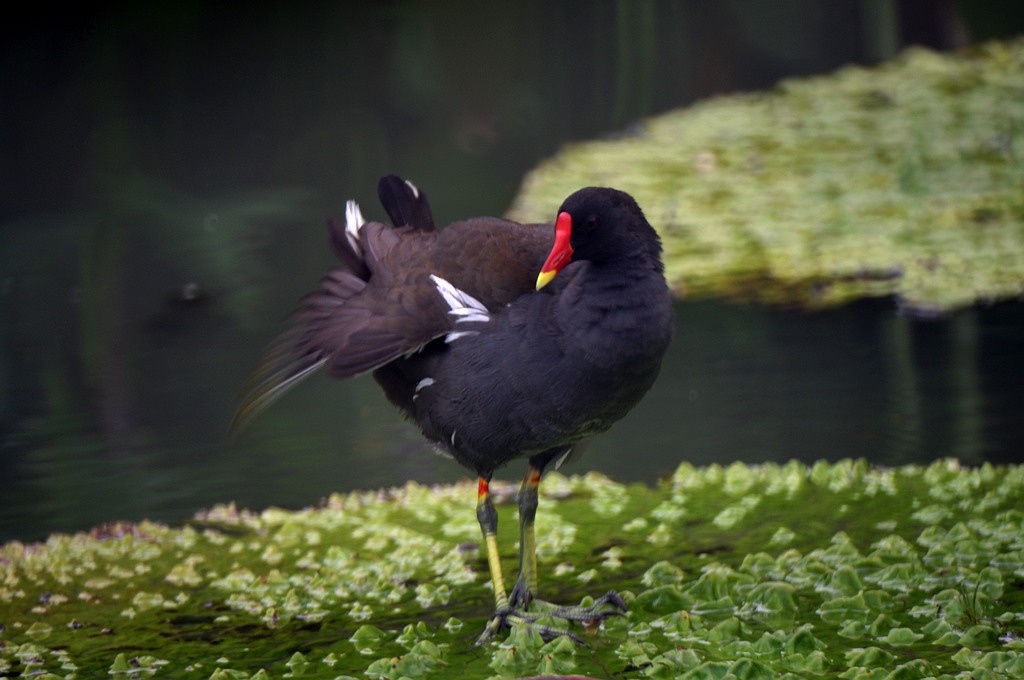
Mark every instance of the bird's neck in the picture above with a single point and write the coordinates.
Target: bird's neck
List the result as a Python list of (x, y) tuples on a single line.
[(622, 314)]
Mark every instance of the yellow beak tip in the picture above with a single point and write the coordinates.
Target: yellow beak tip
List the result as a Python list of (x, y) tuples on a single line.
[(544, 278)]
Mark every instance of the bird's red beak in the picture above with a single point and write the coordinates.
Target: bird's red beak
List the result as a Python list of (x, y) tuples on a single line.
[(560, 253)]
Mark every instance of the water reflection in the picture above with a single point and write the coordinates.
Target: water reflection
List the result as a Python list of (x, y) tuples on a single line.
[(741, 383)]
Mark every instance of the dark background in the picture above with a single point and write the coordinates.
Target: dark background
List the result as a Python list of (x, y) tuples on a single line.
[(164, 177)]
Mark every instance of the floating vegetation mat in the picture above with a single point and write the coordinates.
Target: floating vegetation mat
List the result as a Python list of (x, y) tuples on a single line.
[(904, 180), (833, 570)]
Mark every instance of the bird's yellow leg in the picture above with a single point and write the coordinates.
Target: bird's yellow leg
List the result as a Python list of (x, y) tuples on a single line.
[(487, 516), (515, 610)]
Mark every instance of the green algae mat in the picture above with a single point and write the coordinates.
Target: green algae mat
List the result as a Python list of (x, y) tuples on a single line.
[(904, 180), (832, 570)]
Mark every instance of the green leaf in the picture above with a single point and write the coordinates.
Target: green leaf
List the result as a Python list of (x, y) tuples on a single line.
[(868, 657), (662, 574), (672, 664), (662, 600), (840, 609), (855, 629), (749, 669), (727, 631), (846, 581), (773, 597), (902, 637), (802, 641), (979, 636), (366, 638), (709, 670)]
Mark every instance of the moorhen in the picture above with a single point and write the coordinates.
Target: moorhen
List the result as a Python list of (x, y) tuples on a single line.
[(499, 340)]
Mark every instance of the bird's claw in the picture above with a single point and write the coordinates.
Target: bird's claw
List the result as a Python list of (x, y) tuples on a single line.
[(609, 604)]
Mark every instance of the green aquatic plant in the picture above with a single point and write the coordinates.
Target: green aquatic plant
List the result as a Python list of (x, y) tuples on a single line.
[(387, 584), (901, 180)]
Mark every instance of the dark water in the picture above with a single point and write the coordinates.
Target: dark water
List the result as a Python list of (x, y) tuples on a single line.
[(163, 184)]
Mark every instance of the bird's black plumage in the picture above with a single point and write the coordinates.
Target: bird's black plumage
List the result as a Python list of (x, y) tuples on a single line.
[(554, 366), (490, 361)]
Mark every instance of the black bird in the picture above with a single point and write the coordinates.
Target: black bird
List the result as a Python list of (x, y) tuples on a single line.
[(499, 340)]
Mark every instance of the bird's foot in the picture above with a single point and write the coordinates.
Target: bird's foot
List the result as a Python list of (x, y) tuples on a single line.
[(609, 604)]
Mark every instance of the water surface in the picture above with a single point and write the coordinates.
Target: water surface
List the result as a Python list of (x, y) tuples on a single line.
[(166, 176)]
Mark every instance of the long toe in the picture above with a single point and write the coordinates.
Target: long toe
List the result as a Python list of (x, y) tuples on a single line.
[(609, 604)]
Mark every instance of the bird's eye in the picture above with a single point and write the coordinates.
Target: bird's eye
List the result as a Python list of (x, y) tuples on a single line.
[(591, 223)]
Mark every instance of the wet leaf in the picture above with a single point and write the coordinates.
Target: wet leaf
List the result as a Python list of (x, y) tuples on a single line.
[(868, 657), (901, 637)]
